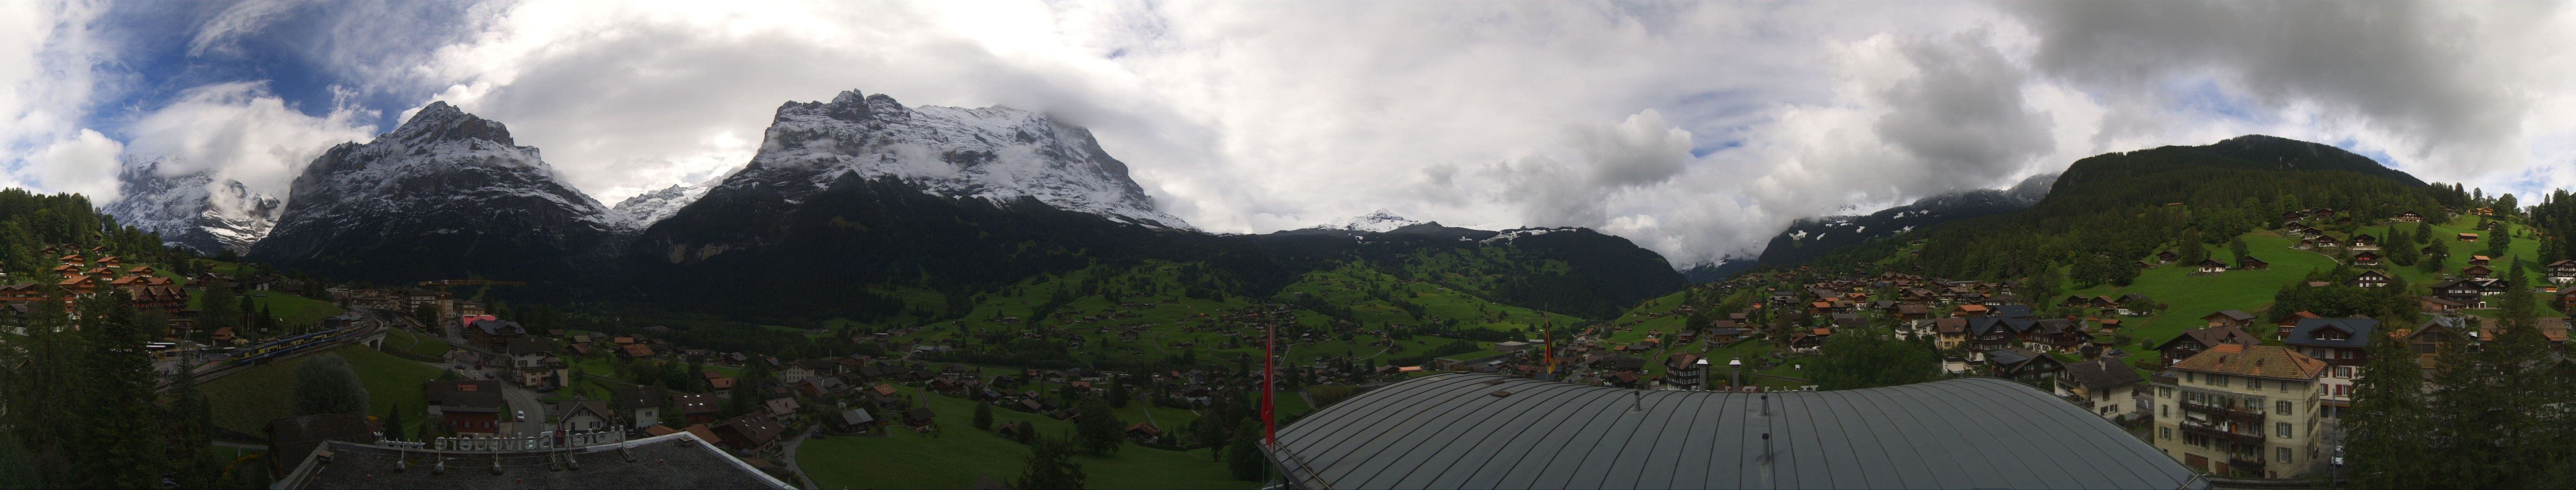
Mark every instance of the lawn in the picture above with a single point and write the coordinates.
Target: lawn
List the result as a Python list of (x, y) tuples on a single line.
[(959, 454), (245, 401)]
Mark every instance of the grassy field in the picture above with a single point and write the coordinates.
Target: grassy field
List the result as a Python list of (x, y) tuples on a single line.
[(959, 454), (245, 401), (417, 344), (290, 309), (2191, 297)]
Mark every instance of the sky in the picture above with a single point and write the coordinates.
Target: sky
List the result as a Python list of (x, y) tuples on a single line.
[(1697, 130)]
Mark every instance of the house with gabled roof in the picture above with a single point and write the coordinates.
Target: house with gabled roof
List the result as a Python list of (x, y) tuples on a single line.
[(2368, 279), (2336, 341), (2211, 266), (2229, 318), (2106, 387), (2192, 342)]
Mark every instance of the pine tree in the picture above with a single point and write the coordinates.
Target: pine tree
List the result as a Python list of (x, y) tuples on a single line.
[(2423, 232), (984, 416), (120, 444), (2385, 440), (1244, 458), (394, 423)]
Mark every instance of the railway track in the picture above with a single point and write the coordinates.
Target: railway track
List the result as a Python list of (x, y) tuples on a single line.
[(371, 328)]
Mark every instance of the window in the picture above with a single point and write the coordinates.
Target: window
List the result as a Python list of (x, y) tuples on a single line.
[(2284, 454), (2164, 411), (2283, 429), (2282, 408), (2190, 377), (2218, 380), (2165, 392), (2252, 383), (2166, 432)]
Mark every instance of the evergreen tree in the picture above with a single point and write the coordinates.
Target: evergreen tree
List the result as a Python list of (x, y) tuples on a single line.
[(1244, 458), (326, 384), (220, 310), (2237, 246), (191, 417), (1051, 466), (2385, 439), (121, 443), (394, 423), (1098, 430), (2424, 232), (1118, 394), (984, 416)]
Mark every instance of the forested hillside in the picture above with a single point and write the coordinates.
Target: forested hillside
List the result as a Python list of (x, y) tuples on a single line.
[(2108, 211)]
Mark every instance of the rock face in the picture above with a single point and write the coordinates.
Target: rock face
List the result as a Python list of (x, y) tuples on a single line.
[(996, 154), (192, 210), (447, 195)]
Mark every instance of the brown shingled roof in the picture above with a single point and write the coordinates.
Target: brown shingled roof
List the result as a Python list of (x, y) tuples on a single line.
[(2259, 361)]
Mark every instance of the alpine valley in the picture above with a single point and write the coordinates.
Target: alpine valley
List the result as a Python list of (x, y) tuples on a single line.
[(913, 212)]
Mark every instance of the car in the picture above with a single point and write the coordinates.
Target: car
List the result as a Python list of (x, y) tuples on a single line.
[(2338, 457), (523, 415)]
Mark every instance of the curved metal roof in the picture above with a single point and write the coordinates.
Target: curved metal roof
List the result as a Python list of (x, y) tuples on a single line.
[(1462, 430)]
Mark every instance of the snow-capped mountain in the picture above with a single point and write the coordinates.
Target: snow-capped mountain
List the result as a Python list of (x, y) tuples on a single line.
[(1379, 221), (1808, 238), (994, 153), (446, 194), (645, 209), (192, 210)]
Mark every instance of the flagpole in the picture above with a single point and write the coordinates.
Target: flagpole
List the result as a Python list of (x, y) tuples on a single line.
[(1547, 334), (1269, 418)]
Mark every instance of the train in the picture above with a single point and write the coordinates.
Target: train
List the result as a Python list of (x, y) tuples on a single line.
[(334, 328)]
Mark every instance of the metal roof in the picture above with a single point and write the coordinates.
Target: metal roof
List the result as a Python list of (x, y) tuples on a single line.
[(1465, 430)]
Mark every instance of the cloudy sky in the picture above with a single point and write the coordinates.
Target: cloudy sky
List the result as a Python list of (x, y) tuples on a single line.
[(1696, 129)]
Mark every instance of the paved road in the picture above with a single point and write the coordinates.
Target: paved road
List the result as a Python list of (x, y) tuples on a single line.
[(787, 457)]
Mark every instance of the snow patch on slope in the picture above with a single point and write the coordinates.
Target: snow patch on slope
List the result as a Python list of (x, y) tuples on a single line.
[(992, 153), (1379, 221), (192, 211)]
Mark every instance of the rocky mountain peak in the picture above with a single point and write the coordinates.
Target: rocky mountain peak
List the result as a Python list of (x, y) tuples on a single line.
[(995, 153), (440, 121)]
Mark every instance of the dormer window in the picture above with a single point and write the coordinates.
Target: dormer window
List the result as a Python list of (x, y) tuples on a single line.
[(2332, 334)]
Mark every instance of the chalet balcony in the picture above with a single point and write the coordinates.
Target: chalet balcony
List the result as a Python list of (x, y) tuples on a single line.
[(2189, 427), (2233, 413), (2079, 400), (2242, 462)]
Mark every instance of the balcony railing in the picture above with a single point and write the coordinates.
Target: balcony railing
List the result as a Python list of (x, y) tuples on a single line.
[(2189, 427), (2231, 412), (2253, 466)]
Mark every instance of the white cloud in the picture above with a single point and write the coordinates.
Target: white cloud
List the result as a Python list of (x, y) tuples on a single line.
[(242, 132), (239, 19), (84, 163), (49, 62)]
